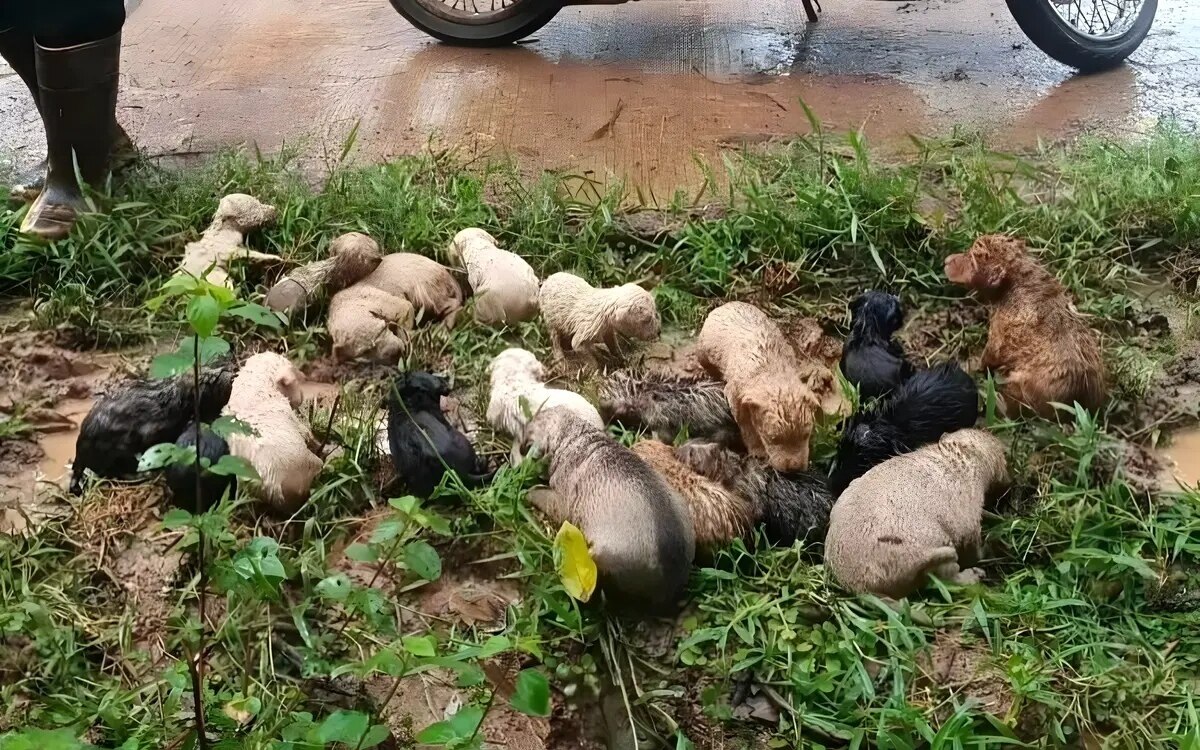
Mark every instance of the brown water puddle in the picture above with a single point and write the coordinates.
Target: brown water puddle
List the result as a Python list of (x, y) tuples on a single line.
[(1182, 457), (59, 446)]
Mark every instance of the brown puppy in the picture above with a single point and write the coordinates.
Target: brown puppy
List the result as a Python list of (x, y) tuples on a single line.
[(771, 404), (915, 514), (1037, 340), (718, 515)]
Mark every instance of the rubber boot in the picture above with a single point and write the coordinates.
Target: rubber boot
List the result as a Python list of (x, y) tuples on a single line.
[(77, 88)]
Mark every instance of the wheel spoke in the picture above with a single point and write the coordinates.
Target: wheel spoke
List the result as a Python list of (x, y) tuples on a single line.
[(1098, 18)]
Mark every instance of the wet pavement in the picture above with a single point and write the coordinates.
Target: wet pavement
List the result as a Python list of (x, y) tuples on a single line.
[(635, 90)]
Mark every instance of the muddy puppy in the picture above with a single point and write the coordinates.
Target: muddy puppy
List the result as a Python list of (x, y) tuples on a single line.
[(928, 405), (914, 515), (425, 283), (770, 402), (792, 507), (424, 446), (581, 317), (505, 286), (181, 478), (220, 245), (351, 257), (280, 446), (666, 406), (519, 392), (638, 528), (718, 514), (871, 358), (135, 416), (366, 323), (1037, 341)]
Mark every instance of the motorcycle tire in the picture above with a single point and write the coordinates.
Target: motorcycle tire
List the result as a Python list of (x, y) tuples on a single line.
[(497, 29), (1060, 40)]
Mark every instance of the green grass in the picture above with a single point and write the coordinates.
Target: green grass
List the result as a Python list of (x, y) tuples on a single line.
[(1086, 629)]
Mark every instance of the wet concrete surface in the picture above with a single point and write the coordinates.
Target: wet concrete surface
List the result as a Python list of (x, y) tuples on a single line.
[(634, 90)]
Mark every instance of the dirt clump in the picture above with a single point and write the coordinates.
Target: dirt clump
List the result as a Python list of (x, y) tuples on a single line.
[(965, 669), (1174, 398)]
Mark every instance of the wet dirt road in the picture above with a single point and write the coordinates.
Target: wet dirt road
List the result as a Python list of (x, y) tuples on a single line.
[(634, 90)]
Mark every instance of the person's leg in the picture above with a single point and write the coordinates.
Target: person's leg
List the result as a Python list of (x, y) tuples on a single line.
[(77, 48), (16, 47)]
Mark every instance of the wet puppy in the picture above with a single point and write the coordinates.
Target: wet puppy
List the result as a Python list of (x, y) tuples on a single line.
[(914, 515), (871, 359), (718, 514), (181, 478), (142, 413), (791, 507), (278, 444), (925, 407), (1037, 341), (638, 528), (772, 405), (519, 392), (666, 405), (423, 444), (582, 317)]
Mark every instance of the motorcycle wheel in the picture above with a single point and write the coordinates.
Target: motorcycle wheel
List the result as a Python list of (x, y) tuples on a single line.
[(478, 23), (1090, 35)]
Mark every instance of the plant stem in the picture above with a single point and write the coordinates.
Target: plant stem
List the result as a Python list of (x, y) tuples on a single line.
[(196, 664)]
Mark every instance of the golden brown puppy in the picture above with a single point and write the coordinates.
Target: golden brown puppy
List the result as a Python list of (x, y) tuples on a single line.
[(771, 404), (915, 514), (1037, 340), (718, 515), (422, 281)]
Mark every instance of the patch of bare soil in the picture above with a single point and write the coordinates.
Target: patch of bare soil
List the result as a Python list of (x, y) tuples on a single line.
[(1174, 399), (951, 333), (965, 670), (118, 529)]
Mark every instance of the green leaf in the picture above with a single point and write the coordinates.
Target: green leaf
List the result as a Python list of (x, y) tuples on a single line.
[(470, 675), (406, 504), (346, 727), (422, 645), (256, 314), (682, 742), (362, 553), (460, 726), (212, 347), (576, 568), (532, 696), (336, 588), (423, 560), (494, 645), (227, 426), (171, 364), (387, 531), (374, 736), (43, 739), (176, 518), (234, 466), (166, 454), (203, 313)]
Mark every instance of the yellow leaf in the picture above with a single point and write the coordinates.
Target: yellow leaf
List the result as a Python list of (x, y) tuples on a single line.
[(576, 567)]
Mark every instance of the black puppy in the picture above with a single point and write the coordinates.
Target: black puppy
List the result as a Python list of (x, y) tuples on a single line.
[(871, 359), (791, 506), (925, 407), (424, 445), (181, 478), (125, 422)]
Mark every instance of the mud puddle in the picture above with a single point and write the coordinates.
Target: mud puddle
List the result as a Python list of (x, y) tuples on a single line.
[(59, 446), (1182, 457)]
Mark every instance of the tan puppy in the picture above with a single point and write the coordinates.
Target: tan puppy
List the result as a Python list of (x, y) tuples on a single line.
[(220, 245), (915, 514), (718, 515), (282, 449), (581, 317), (351, 257), (1037, 340), (425, 283), (505, 286), (638, 528), (772, 406), (519, 392), (367, 323)]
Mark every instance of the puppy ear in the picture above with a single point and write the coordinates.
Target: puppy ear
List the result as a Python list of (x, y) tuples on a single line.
[(992, 276), (288, 384)]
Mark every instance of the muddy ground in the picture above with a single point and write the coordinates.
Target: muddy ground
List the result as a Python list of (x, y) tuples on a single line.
[(633, 90)]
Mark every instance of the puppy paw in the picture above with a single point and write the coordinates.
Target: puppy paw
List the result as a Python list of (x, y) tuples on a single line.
[(969, 576)]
